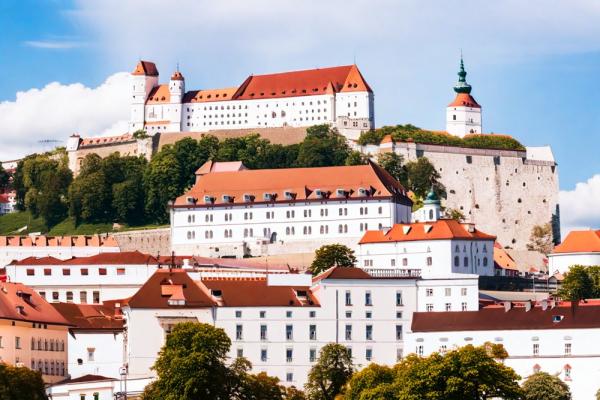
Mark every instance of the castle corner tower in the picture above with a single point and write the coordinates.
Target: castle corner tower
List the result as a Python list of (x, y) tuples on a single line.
[(143, 79), (463, 115)]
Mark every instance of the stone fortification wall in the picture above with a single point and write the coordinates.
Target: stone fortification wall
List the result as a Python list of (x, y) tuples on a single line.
[(150, 241), (503, 192)]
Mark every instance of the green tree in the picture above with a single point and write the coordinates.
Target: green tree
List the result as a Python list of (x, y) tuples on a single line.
[(293, 393), (322, 147), (140, 134), (541, 239), (331, 255), (128, 201), (422, 176), (543, 386), (578, 284), (191, 365), (330, 373), (260, 387), (453, 213), (20, 383), (191, 154), (373, 382), (4, 178), (392, 163), (162, 183), (357, 158)]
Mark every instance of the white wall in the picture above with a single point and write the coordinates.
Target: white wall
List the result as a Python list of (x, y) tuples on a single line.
[(467, 119), (108, 354), (562, 261), (10, 253)]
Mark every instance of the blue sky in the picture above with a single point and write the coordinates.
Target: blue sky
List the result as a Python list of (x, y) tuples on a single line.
[(534, 67)]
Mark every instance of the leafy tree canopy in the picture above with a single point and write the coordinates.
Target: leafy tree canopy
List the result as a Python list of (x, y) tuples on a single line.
[(20, 383), (581, 282), (331, 255), (322, 147), (330, 373), (543, 386)]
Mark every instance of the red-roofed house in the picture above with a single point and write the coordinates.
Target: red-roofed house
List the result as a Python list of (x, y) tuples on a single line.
[(339, 96), (257, 212), (7, 202), (32, 333), (578, 248)]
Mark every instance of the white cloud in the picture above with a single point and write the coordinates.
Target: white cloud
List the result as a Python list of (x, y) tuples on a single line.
[(54, 44), (56, 111), (580, 207)]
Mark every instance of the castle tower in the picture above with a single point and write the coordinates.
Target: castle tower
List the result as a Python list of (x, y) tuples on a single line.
[(176, 92), (463, 115), (143, 79)]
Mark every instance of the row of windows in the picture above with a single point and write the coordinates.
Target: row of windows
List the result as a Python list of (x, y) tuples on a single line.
[(55, 368), (369, 298), (82, 271), (447, 292), (47, 345), (466, 261), (312, 332), (83, 296), (447, 307)]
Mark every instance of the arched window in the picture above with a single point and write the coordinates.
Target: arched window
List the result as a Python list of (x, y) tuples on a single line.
[(484, 248), (466, 261), (457, 248), (345, 228), (485, 261), (429, 261), (456, 261), (430, 214)]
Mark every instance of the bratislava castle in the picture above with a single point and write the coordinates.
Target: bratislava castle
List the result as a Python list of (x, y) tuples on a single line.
[(337, 95)]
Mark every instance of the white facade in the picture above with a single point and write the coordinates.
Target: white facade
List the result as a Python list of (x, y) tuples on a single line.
[(95, 353), (561, 262), (93, 388), (463, 120), (369, 316)]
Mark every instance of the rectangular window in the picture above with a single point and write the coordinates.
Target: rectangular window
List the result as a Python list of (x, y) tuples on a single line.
[(55, 296), (17, 342), (567, 349), (30, 272), (66, 271), (239, 332), (463, 306), (289, 355), (348, 298), (263, 355), (101, 271), (536, 349), (263, 332), (348, 314), (240, 352), (369, 332), (429, 307), (448, 307), (368, 299), (398, 314), (369, 354), (463, 291), (312, 314), (263, 314), (348, 332), (84, 271), (398, 332), (312, 355), (96, 297), (368, 314), (83, 297), (289, 377), (47, 271), (288, 314), (120, 271), (313, 332), (43, 295), (238, 314), (90, 352), (69, 297), (398, 298), (399, 354), (428, 292), (289, 332), (448, 292)]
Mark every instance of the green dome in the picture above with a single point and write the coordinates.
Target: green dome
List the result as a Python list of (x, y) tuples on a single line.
[(462, 86), (431, 198)]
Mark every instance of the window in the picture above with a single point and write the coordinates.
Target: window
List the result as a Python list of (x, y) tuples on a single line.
[(429, 307), (369, 332), (456, 261), (96, 396), (399, 354), (263, 314), (17, 342), (312, 314), (348, 331), (289, 377), (96, 297), (485, 261), (398, 332), (429, 261), (83, 297), (420, 350), (238, 314), (47, 271), (348, 314), (312, 355), (120, 271), (288, 314), (348, 298), (263, 332), (368, 299), (30, 272), (263, 355), (463, 306), (84, 271), (90, 353), (429, 292), (369, 354), (398, 314), (466, 261), (567, 349), (240, 352), (448, 292), (239, 332), (463, 291), (101, 271), (312, 332), (69, 297), (405, 262), (289, 355), (448, 306), (55, 296), (567, 372), (289, 332), (536, 349)]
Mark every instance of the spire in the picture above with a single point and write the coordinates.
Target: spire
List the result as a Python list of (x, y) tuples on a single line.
[(462, 86)]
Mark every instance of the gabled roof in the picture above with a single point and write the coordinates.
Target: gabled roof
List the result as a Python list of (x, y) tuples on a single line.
[(146, 68), (21, 303), (442, 229), (220, 166), (464, 100), (254, 292), (342, 273), (302, 183), (159, 94), (90, 317), (503, 260), (580, 242), (122, 258), (85, 379), (160, 288), (303, 83), (492, 318)]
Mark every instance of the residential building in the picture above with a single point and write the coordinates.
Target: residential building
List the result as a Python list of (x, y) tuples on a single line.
[(281, 321), (554, 337), (96, 387), (578, 248), (273, 211), (32, 333), (7, 202), (95, 341), (61, 247)]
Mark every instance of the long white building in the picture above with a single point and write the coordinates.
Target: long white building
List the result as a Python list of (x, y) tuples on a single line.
[(280, 321), (259, 212), (558, 338), (339, 96)]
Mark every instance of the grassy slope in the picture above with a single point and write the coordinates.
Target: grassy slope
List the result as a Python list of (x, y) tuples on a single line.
[(10, 223)]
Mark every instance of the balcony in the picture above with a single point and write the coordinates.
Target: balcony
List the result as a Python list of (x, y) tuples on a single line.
[(393, 273)]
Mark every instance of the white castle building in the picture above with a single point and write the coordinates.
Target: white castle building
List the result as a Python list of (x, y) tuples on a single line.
[(338, 95), (269, 211), (463, 115)]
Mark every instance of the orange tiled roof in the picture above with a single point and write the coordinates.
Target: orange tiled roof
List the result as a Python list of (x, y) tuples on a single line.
[(146, 68), (464, 100), (303, 83), (106, 140), (502, 259), (442, 229), (159, 94), (301, 183), (580, 242), (122, 258), (206, 95), (177, 76), (91, 317), (21, 303), (220, 166)]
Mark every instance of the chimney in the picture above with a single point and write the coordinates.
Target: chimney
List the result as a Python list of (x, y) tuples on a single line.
[(527, 306), (507, 306)]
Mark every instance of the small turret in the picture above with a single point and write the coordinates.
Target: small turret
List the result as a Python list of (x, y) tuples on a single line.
[(431, 210), (463, 115), (177, 87)]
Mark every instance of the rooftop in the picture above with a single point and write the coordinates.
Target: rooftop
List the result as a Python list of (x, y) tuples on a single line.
[(21, 303), (56, 241), (122, 258), (90, 317), (580, 242)]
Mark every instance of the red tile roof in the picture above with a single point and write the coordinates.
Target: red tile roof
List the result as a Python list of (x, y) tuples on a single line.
[(103, 140), (301, 182), (503, 260), (254, 292), (146, 68), (177, 76), (209, 95), (163, 284), (517, 318), (220, 166), (90, 317), (122, 258), (21, 303), (579, 242), (303, 83), (224, 263), (342, 273), (442, 229), (464, 100), (159, 94), (86, 378)]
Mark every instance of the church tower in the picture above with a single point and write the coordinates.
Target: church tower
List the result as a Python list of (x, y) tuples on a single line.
[(143, 79), (463, 115), (431, 210)]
